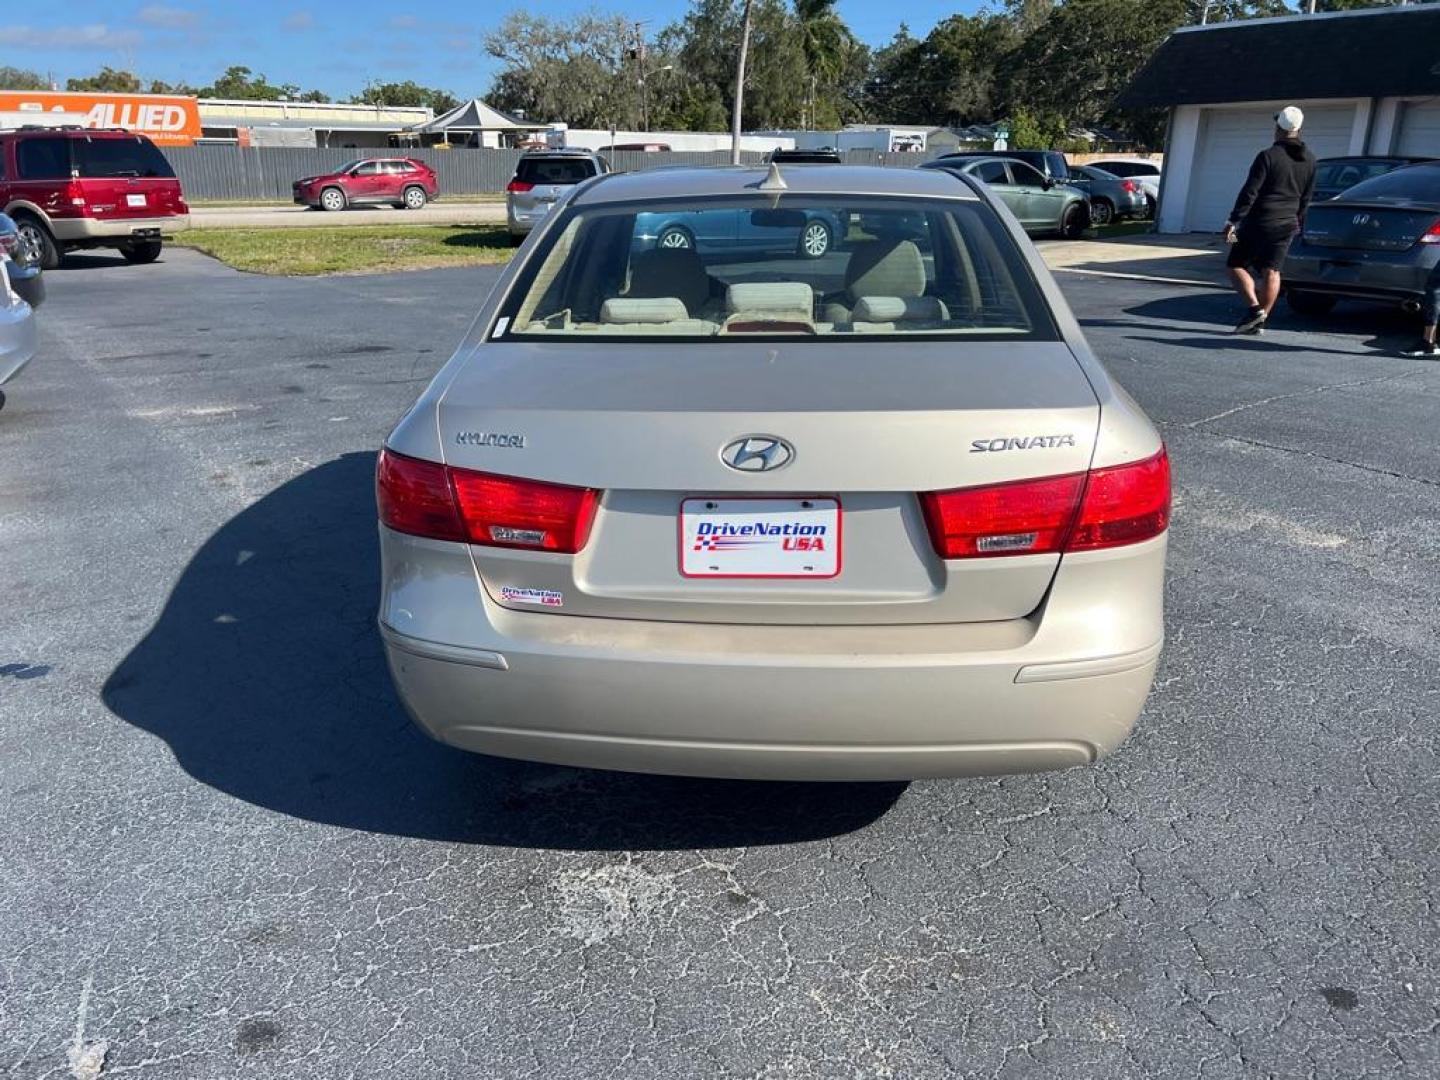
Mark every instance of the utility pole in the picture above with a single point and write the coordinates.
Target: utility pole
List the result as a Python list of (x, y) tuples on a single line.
[(640, 52), (740, 87)]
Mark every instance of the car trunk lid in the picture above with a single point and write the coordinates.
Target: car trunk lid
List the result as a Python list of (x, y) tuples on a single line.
[(646, 424), (1369, 226)]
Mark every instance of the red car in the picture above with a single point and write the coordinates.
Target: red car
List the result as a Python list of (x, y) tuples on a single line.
[(406, 183), (72, 187)]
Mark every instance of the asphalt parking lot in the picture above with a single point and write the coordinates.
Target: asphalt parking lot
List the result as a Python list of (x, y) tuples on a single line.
[(225, 853)]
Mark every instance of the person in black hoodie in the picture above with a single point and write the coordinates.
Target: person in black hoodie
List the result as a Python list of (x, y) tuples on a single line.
[(1268, 212)]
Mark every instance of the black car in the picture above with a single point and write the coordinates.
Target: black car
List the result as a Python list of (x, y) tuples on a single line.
[(1051, 163), (1337, 174), (818, 156), (1379, 241)]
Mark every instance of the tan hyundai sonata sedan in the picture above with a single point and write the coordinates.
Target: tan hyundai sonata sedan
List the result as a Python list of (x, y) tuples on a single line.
[(692, 498)]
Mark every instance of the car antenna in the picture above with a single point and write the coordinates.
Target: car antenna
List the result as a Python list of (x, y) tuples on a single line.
[(773, 180)]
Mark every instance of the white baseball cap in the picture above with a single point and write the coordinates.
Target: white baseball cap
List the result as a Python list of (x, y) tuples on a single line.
[(1289, 119)]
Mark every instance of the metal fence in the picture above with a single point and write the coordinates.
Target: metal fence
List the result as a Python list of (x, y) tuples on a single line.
[(266, 172)]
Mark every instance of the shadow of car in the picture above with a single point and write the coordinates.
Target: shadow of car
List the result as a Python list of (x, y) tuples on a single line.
[(264, 675)]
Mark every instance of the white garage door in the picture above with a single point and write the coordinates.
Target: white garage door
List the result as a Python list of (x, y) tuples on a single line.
[(1420, 129), (1229, 141)]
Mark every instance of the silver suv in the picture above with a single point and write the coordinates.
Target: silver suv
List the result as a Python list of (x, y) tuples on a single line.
[(541, 179)]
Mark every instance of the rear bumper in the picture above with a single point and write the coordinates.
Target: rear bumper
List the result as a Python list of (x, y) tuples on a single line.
[(522, 220), (1059, 688), (1387, 277), (79, 229)]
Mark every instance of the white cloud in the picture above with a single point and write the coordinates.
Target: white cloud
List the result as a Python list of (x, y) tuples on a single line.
[(301, 20), (166, 18), (91, 36)]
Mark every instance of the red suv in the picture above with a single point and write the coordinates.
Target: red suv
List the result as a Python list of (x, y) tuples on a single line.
[(402, 182), (74, 187)]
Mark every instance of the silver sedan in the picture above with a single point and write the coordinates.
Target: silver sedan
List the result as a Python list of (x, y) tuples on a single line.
[(876, 515), (22, 289)]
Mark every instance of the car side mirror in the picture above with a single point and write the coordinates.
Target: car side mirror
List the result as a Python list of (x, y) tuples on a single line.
[(1048, 183)]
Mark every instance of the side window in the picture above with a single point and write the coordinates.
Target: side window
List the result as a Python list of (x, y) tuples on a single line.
[(1026, 175), (43, 159), (992, 172), (367, 168)]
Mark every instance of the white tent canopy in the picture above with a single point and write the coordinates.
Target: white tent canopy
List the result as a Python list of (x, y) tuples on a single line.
[(474, 115)]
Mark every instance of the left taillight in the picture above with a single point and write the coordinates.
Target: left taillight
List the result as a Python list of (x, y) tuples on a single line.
[(1103, 508), (1130, 186), (414, 497), (424, 498), (1432, 234)]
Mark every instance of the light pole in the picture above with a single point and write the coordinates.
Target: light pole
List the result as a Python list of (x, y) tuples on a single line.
[(645, 95), (740, 87)]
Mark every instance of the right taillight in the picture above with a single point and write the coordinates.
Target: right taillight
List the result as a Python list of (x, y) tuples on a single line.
[(518, 187), (425, 498), (1104, 508), (1432, 234), (1123, 504)]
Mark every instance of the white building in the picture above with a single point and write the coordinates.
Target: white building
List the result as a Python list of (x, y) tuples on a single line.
[(1368, 81)]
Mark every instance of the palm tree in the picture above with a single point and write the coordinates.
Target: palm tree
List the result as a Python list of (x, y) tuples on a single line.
[(826, 41)]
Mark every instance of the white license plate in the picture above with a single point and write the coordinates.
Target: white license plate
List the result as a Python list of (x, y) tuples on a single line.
[(760, 538), (134, 200)]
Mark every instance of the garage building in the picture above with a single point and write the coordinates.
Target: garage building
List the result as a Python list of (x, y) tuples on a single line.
[(1369, 82)]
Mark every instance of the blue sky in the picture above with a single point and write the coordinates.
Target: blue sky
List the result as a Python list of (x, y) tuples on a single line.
[(333, 47)]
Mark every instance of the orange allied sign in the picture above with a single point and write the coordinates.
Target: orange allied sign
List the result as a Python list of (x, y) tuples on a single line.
[(167, 120)]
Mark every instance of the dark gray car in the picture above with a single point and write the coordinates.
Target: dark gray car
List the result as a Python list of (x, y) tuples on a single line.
[(1112, 198), (1379, 241)]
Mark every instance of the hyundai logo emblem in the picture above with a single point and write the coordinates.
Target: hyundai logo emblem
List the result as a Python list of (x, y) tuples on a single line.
[(757, 453)]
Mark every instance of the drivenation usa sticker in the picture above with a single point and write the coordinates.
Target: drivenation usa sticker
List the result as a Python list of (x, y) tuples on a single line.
[(540, 597)]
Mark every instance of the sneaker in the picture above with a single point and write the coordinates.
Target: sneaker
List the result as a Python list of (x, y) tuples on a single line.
[(1252, 323), (1423, 350)]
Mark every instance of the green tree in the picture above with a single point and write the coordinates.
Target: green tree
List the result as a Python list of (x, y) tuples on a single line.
[(240, 84), (107, 80), (407, 93), (830, 51), (576, 70), (705, 44), (1070, 69), (13, 78), (896, 91)]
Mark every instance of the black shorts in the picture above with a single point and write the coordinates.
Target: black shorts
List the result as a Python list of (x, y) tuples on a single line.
[(1260, 248)]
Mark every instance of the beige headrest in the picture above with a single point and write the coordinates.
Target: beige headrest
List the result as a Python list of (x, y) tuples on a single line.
[(885, 268), (656, 309)]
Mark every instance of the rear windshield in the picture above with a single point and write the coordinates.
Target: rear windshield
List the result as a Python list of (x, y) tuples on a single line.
[(1418, 183), (554, 170), (1346, 174), (1129, 168), (107, 158), (796, 266)]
